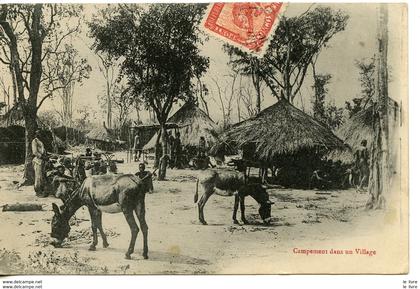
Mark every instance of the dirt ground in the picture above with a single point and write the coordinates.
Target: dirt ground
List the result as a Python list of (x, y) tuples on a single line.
[(178, 243)]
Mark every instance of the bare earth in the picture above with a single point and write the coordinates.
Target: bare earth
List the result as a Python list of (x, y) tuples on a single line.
[(178, 243)]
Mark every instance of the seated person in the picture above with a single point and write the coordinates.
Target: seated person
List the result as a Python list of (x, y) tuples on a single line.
[(88, 152), (142, 174)]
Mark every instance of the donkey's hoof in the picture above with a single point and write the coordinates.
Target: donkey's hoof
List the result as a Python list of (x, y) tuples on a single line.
[(245, 222), (128, 256), (236, 222), (105, 244), (203, 222), (92, 248), (145, 257)]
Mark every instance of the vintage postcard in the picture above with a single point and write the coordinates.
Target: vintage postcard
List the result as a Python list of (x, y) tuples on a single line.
[(211, 138)]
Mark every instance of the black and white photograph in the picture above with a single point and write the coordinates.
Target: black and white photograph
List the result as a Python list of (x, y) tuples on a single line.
[(203, 138)]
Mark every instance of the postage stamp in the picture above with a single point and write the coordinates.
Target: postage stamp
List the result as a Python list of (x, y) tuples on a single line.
[(247, 25)]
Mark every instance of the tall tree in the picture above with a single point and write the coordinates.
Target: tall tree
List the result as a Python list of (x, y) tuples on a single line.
[(109, 72), (367, 81), (325, 112), (158, 44), (296, 44), (250, 66), (379, 178), (30, 34)]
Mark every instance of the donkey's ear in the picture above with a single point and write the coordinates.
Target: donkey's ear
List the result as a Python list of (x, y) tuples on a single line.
[(56, 209)]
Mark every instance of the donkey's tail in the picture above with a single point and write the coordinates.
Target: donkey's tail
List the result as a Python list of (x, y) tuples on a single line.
[(196, 191)]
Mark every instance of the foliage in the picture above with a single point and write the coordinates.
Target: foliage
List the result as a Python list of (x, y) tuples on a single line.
[(30, 35), (326, 113), (158, 47), (367, 82), (296, 44)]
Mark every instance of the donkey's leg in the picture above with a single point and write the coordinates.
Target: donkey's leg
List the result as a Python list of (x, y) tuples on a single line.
[(101, 230), (242, 202), (129, 216), (141, 215), (94, 224), (235, 209), (202, 202)]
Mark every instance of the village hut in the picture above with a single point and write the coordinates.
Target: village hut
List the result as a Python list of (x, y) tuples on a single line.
[(285, 140), (102, 138), (192, 123), (279, 130), (70, 134), (361, 127)]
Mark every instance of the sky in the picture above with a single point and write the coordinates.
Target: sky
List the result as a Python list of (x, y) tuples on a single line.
[(356, 42)]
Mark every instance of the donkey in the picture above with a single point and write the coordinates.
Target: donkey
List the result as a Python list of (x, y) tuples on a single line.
[(228, 183), (99, 192)]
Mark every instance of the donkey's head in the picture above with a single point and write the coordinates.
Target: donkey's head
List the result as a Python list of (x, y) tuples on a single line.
[(65, 188), (60, 227), (265, 203)]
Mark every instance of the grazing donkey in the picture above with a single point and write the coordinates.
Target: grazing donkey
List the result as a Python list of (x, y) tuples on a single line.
[(226, 183), (98, 193)]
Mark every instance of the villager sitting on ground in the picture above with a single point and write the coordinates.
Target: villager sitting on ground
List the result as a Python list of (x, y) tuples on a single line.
[(40, 157), (362, 164), (319, 180), (88, 152)]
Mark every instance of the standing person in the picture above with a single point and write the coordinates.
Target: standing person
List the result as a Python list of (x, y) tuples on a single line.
[(39, 153), (202, 147), (362, 163), (177, 150), (171, 142), (145, 176), (136, 147)]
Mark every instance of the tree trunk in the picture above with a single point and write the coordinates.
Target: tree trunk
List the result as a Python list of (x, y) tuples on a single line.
[(163, 162), (379, 173), (30, 129)]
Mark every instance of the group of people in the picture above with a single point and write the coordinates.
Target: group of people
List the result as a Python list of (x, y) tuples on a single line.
[(177, 154)]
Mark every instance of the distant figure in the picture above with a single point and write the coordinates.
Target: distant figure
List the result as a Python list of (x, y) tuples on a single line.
[(136, 147), (361, 157), (79, 172), (40, 156), (177, 150), (202, 147), (88, 152), (142, 174), (171, 149)]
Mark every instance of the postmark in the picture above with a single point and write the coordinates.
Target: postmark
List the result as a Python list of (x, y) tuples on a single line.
[(247, 25)]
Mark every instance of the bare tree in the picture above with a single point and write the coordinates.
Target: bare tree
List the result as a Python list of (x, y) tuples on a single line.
[(31, 34), (226, 92)]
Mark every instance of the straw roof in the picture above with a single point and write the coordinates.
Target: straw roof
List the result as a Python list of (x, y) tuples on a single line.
[(281, 129), (193, 123), (100, 134), (360, 127)]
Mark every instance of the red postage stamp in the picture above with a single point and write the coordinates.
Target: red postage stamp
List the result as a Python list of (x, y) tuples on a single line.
[(247, 25)]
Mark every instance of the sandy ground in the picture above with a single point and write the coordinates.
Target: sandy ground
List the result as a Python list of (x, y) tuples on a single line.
[(178, 244)]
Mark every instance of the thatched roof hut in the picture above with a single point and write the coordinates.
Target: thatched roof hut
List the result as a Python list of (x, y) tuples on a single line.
[(101, 134), (192, 123), (360, 127), (281, 129)]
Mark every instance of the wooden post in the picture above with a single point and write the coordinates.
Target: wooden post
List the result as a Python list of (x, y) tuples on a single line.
[(379, 178)]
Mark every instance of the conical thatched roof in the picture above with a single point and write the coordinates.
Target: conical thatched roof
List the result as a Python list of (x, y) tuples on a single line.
[(360, 127), (281, 129), (100, 134), (193, 123)]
